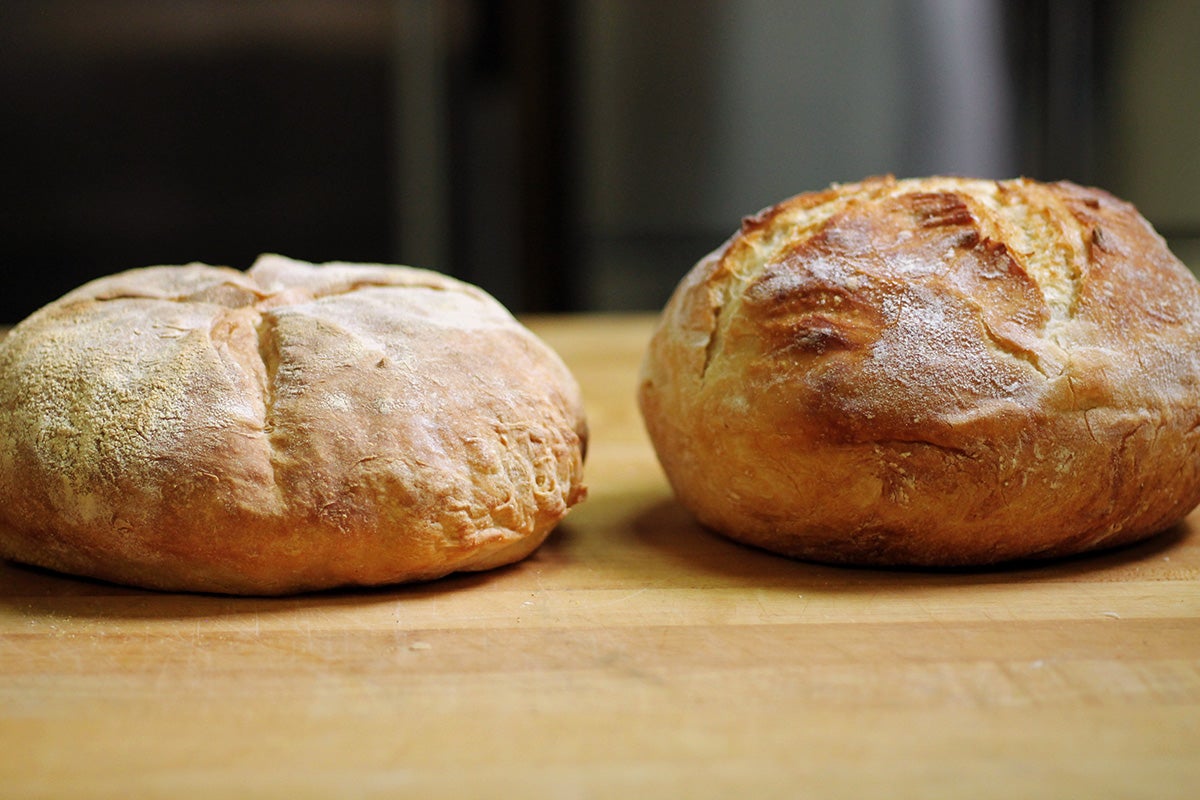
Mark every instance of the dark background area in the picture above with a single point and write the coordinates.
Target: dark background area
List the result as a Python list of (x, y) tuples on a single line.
[(571, 155)]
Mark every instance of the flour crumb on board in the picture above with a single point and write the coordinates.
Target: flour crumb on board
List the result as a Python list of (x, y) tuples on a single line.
[(1110, 614), (420, 646)]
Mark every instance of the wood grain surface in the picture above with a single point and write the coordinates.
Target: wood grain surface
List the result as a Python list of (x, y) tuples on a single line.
[(634, 655)]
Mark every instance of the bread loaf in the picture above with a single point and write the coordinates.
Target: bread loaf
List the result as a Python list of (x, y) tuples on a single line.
[(288, 428), (931, 372)]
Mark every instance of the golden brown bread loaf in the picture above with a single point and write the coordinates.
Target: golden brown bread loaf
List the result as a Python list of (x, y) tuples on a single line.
[(289, 428), (932, 372)]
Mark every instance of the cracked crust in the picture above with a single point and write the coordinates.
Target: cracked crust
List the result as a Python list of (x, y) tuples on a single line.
[(289, 428), (937, 371)]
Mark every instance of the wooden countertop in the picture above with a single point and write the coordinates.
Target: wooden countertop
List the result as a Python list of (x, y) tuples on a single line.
[(634, 655)]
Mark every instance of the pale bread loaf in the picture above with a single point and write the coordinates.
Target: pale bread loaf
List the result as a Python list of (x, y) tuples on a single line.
[(288, 428)]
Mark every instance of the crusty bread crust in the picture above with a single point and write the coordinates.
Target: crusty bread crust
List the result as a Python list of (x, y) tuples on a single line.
[(289, 428), (936, 371)]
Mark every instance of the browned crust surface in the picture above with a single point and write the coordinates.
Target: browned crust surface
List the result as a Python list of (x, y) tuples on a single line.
[(292, 427), (932, 372)]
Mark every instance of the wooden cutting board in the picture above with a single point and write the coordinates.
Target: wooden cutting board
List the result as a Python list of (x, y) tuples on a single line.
[(634, 655)]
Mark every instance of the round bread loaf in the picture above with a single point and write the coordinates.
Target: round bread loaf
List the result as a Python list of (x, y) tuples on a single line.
[(289, 428), (932, 372)]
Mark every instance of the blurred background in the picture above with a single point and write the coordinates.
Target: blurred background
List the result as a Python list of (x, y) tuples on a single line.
[(563, 154)]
